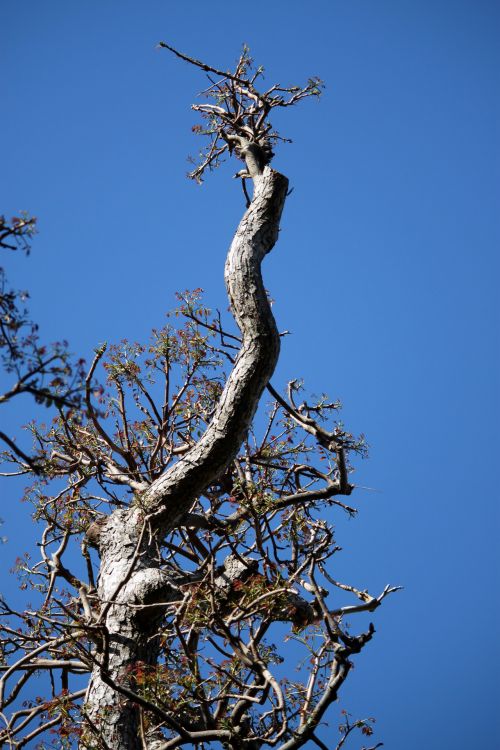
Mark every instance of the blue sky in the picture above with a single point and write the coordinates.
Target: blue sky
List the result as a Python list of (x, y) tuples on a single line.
[(386, 273)]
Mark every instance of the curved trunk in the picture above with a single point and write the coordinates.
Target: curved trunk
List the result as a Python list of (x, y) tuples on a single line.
[(129, 573), (171, 495)]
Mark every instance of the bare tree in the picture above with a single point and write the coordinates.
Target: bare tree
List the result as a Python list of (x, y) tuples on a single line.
[(180, 537)]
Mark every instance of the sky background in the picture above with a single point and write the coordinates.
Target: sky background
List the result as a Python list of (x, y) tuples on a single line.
[(386, 273)]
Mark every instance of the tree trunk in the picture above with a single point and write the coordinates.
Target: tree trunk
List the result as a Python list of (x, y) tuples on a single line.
[(172, 494), (129, 573), (126, 638)]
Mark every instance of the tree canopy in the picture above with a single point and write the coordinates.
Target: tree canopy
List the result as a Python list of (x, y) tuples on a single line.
[(184, 556)]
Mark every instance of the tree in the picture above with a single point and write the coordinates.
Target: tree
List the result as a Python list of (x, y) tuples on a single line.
[(181, 534)]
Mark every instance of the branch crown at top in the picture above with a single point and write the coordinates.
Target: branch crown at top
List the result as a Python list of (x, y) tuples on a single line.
[(236, 114)]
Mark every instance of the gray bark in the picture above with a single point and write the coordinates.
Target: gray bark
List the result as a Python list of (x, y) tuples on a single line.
[(129, 573), (172, 494)]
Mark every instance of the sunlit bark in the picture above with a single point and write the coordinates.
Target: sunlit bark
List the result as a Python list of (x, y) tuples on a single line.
[(128, 562)]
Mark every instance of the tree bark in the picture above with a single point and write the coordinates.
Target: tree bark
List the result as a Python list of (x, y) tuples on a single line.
[(129, 572), (172, 494)]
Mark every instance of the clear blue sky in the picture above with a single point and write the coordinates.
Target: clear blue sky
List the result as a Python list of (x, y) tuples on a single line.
[(386, 273)]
